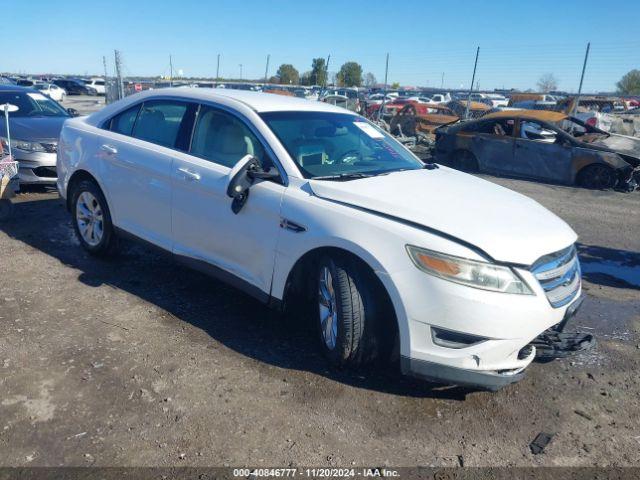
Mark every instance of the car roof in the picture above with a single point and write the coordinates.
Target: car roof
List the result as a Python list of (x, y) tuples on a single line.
[(15, 88), (258, 101), (542, 115)]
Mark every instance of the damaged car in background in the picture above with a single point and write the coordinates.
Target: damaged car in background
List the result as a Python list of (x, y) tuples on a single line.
[(541, 145)]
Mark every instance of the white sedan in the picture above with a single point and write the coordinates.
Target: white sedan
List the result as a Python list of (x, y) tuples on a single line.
[(54, 92), (310, 207)]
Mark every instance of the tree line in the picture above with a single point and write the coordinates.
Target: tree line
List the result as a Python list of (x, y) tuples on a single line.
[(349, 75)]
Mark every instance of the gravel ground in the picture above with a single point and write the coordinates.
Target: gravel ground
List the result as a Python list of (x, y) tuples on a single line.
[(137, 361)]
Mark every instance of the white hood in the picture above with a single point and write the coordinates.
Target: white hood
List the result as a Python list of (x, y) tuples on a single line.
[(508, 226)]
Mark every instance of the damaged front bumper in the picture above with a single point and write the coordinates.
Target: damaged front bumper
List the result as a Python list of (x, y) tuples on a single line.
[(552, 343)]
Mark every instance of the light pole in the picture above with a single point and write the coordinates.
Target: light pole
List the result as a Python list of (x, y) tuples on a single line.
[(240, 71)]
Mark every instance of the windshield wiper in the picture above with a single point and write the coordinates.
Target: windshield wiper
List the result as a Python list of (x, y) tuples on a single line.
[(347, 176)]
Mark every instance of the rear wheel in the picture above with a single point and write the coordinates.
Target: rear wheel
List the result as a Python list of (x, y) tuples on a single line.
[(597, 177), (349, 323), (91, 218), (465, 161)]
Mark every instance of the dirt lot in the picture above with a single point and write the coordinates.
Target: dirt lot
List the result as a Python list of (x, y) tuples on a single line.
[(136, 361)]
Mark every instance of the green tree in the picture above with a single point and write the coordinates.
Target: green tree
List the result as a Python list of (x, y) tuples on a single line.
[(305, 79), (629, 84), (395, 85), (318, 72), (288, 74), (350, 75)]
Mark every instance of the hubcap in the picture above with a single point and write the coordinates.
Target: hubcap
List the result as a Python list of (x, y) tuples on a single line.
[(89, 218), (328, 309)]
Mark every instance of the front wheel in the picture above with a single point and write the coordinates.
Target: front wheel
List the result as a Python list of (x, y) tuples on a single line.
[(92, 219), (465, 161), (597, 177), (348, 312)]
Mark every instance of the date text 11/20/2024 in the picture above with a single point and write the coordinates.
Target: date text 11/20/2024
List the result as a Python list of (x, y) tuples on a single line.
[(315, 472)]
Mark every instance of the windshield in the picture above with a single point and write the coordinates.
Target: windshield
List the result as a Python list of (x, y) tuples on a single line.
[(332, 144), (32, 104)]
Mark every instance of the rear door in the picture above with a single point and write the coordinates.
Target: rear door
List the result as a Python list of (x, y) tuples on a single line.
[(137, 153), (540, 153)]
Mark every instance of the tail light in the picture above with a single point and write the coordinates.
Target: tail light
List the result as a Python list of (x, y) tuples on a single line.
[(592, 121)]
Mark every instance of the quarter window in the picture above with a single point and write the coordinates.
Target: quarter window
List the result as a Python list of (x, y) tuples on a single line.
[(123, 122), (159, 122), (223, 138)]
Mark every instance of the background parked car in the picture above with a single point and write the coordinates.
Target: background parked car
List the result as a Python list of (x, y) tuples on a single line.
[(52, 91), (541, 145), (25, 82), (97, 84), (35, 128), (73, 87)]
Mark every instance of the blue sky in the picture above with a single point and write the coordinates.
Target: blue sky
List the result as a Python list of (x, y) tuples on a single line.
[(519, 41)]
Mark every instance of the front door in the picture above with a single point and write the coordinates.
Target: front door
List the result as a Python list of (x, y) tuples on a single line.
[(540, 153), (204, 227)]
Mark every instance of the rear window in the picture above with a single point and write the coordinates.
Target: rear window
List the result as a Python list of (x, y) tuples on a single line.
[(159, 122)]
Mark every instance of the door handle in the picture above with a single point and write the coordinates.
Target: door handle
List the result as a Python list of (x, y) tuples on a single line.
[(110, 149), (189, 175)]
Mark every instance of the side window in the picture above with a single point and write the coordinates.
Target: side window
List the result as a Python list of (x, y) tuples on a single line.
[(224, 139), (124, 121), (498, 128), (159, 122), (536, 132)]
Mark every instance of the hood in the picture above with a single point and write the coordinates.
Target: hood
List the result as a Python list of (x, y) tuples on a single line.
[(34, 128), (506, 225), (620, 144)]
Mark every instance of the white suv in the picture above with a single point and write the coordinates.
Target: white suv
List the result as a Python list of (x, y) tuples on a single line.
[(303, 203)]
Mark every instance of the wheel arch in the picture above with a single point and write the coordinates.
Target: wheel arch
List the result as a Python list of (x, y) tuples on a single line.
[(78, 176), (300, 275), (578, 178)]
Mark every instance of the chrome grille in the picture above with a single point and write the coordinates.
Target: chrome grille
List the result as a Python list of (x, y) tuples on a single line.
[(559, 276)]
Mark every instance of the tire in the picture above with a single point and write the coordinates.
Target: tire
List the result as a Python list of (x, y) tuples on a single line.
[(465, 161), (6, 210), (597, 177), (354, 314), (92, 219)]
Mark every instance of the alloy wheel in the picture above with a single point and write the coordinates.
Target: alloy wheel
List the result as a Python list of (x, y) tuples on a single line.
[(90, 218), (328, 308)]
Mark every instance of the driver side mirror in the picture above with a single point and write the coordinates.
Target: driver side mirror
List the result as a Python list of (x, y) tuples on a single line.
[(242, 176), (73, 112)]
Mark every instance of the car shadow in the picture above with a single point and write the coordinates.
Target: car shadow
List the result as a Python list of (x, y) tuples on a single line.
[(227, 315), (609, 266)]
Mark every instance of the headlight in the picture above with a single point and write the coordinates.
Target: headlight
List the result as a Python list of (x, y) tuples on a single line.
[(472, 273), (24, 145)]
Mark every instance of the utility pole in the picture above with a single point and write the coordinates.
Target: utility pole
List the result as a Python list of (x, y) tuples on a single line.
[(584, 67), (384, 98), (326, 79), (170, 71), (218, 68), (266, 70), (104, 64), (442, 82), (118, 63), (240, 71), (473, 79)]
